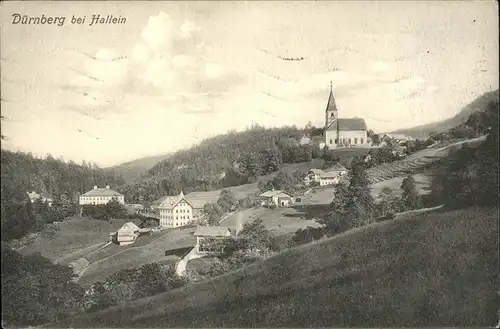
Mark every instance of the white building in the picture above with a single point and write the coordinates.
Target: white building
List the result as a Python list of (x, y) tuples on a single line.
[(175, 211), (210, 233), (313, 176), (127, 234), (276, 197), (333, 175), (343, 132), (35, 196), (100, 196), (330, 177)]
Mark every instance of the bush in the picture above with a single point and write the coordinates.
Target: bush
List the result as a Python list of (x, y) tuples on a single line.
[(309, 234), (35, 291), (113, 209)]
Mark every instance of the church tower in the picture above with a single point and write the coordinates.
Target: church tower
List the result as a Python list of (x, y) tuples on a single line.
[(331, 112)]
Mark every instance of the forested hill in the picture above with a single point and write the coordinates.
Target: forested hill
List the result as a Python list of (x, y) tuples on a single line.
[(49, 177), (133, 170), (215, 155), (478, 105), (226, 160)]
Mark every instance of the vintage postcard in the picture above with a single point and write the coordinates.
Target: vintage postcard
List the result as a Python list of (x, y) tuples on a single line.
[(249, 164)]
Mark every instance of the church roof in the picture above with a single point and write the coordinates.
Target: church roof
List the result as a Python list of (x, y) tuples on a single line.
[(347, 124), (331, 106)]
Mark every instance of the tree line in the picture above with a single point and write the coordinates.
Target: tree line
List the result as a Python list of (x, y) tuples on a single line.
[(51, 178)]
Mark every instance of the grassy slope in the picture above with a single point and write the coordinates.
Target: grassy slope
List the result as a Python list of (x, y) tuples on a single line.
[(146, 249), (432, 269), (74, 235), (242, 191)]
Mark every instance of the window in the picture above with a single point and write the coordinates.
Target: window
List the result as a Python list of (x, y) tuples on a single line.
[(330, 141), (332, 115), (349, 141), (336, 141), (361, 140), (355, 140)]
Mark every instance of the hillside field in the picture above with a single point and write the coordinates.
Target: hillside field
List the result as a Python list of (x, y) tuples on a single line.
[(245, 190), (146, 249), (433, 269), (75, 235)]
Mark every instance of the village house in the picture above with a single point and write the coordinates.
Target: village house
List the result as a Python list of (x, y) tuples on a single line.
[(208, 238), (175, 211), (305, 140), (127, 234), (99, 195), (330, 177), (333, 175), (276, 198), (343, 132), (33, 196), (312, 176)]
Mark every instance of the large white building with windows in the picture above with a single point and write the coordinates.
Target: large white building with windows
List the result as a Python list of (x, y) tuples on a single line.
[(343, 132), (99, 195), (175, 211)]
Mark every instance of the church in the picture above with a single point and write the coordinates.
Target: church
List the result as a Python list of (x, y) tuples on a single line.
[(343, 132)]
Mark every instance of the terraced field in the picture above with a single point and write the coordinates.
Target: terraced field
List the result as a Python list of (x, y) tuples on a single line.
[(398, 168), (416, 161)]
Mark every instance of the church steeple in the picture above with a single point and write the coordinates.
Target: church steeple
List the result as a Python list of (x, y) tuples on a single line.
[(331, 108)]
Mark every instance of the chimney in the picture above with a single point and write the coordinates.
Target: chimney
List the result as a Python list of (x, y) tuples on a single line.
[(95, 187), (107, 187)]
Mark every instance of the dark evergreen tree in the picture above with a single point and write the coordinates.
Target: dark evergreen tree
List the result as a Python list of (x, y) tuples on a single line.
[(227, 201), (409, 196)]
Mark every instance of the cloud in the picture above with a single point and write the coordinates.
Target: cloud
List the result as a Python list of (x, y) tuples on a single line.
[(159, 31), (168, 59)]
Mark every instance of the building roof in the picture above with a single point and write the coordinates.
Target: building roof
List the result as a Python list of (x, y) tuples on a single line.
[(316, 171), (347, 124), (212, 231), (172, 201), (330, 174), (269, 194), (99, 191), (337, 167), (129, 226), (331, 105)]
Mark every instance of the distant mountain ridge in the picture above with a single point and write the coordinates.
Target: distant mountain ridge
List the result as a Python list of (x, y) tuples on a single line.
[(423, 131), (132, 170)]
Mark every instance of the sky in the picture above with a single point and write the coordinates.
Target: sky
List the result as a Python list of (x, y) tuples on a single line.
[(178, 72)]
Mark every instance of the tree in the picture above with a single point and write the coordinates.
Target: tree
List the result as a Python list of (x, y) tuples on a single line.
[(374, 137), (255, 236), (409, 197), (265, 185), (309, 234), (115, 209), (360, 204), (212, 214), (35, 291), (283, 181), (338, 218), (151, 281), (227, 201)]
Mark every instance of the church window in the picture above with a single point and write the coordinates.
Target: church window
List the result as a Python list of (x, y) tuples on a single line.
[(330, 141), (361, 141), (332, 115), (336, 141), (355, 140)]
